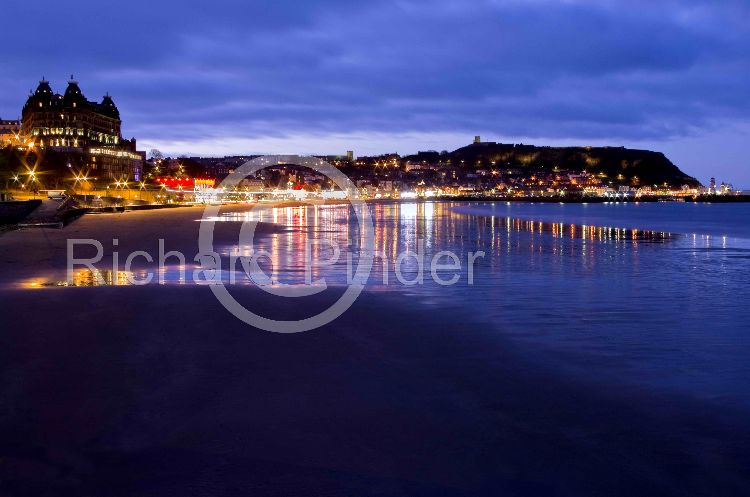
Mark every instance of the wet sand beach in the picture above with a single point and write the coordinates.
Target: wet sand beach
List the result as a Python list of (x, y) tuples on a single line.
[(138, 391), (157, 390)]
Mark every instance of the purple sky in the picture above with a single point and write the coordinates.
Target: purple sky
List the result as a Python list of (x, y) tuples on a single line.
[(237, 76)]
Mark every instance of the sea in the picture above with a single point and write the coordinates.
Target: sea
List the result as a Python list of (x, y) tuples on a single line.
[(649, 294)]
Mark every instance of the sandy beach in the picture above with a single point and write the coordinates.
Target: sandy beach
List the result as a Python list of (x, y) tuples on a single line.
[(157, 390)]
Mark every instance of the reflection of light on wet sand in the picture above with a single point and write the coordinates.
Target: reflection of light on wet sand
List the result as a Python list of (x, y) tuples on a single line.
[(86, 277), (106, 277)]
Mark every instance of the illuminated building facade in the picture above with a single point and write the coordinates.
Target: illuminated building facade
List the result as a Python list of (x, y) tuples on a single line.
[(8, 130), (185, 183), (88, 132)]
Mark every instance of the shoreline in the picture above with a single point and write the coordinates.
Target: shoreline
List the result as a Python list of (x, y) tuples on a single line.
[(67, 216)]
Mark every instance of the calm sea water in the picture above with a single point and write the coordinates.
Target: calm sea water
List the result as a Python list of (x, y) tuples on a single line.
[(653, 295)]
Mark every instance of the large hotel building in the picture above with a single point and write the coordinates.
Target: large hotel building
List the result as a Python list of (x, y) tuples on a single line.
[(88, 132)]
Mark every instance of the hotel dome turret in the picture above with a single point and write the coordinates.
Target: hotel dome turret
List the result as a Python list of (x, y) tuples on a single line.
[(109, 108), (73, 96), (41, 98)]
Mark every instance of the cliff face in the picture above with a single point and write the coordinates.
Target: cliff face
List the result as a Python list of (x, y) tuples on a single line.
[(620, 165)]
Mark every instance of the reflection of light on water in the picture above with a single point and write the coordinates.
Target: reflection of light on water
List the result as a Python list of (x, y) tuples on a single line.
[(408, 210), (584, 232), (397, 228)]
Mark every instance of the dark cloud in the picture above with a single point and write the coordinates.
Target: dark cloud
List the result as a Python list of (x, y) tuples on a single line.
[(623, 71)]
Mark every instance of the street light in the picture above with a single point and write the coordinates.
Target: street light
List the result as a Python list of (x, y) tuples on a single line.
[(33, 179)]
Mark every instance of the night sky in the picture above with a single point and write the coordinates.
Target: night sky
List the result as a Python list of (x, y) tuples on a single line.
[(234, 76)]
